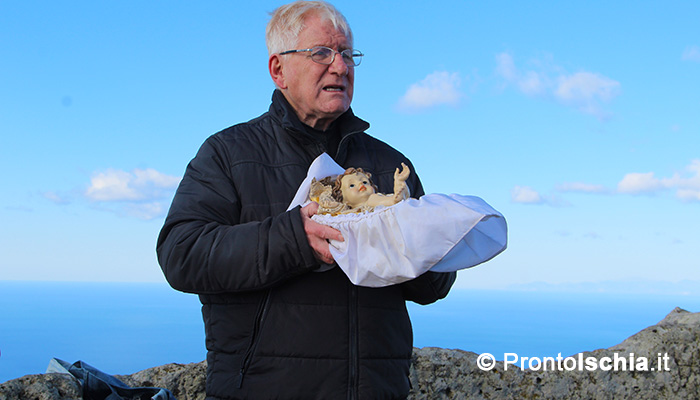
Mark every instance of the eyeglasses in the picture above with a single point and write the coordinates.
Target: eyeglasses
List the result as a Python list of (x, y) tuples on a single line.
[(326, 55)]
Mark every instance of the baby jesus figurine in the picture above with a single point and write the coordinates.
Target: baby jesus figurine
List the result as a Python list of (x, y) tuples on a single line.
[(386, 240), (354, 192)]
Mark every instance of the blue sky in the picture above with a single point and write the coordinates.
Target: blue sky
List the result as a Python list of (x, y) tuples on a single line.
[(578, 121)]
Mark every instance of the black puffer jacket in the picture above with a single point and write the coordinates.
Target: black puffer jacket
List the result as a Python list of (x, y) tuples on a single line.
[(274, 328)]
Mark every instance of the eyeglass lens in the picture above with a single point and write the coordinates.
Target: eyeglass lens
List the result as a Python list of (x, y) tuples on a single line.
[(325, 55)]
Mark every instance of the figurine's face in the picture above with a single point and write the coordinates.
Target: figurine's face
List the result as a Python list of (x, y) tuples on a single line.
[(356, 189)]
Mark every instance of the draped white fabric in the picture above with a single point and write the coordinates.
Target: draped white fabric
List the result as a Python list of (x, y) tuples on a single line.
[(394, 244)]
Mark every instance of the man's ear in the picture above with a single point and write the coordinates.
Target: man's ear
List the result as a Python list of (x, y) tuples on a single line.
[(276, 71)]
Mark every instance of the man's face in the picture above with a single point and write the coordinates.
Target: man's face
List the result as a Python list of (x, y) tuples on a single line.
[(356, 189), (319, 93)]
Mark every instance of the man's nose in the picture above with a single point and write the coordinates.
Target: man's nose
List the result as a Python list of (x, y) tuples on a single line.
[(338, 66)]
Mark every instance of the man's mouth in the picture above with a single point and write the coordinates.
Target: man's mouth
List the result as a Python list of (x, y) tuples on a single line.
[(334, 88)]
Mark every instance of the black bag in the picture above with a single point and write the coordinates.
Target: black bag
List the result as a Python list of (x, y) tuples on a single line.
[(98, 385)]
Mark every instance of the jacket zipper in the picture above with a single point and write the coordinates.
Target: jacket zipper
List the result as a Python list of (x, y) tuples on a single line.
[(353, 345), (257, 327), (340, 143)]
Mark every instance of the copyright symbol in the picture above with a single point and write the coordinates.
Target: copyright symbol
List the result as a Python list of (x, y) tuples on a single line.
[(486, 361)]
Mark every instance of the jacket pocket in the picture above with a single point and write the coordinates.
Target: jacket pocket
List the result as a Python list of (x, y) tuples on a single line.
[(255, 336)]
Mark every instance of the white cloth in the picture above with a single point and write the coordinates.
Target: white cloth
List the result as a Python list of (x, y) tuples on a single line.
[(395, 244)]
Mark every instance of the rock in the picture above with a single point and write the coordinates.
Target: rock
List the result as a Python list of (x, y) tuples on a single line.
[(454, 374), (41, 387), (185, 381), (450, 374)]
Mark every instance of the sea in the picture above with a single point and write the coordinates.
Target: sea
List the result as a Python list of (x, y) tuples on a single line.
[(122, 328)]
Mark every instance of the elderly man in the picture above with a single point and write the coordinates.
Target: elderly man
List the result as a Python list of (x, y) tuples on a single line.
[(276, 326)]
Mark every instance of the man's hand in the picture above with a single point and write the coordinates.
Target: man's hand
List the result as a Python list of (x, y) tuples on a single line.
[(318, 234)]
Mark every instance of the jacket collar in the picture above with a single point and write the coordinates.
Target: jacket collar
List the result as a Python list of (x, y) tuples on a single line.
[(281, 110)]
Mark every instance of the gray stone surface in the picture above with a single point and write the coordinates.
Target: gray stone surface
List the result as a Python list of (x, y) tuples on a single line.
[(453, 374), (41, 387), (185, 381)]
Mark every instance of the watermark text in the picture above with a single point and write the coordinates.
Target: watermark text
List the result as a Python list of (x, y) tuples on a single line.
[(578, 362)]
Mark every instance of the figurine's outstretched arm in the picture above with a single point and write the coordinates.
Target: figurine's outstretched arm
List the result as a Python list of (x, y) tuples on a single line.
[(401, 191)]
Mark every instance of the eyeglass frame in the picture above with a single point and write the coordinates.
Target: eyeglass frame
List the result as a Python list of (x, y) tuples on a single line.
[(352, 55)]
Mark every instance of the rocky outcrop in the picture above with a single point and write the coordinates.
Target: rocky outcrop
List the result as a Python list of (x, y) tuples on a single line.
[(185, 381), (454, 374), (41, 387)]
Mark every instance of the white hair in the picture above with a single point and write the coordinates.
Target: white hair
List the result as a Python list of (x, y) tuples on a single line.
[(288, 20)]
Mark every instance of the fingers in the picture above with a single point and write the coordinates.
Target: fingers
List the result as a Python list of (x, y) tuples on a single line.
[(309, 210), (321, 250), (322, 232), (403, 173), (318, 235), (313, 228)]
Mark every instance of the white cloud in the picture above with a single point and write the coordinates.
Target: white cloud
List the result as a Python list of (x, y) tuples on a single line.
[(585, 91), (140, 193), (56, 198), (688, 194), (581, 187), (525, 195), (639, 182), (687, 186), (505, 67), (438, 88), (528, 195), (691, 53), (145, 211), (687, 189), (137, 185), (532, 83), (586, 86)]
